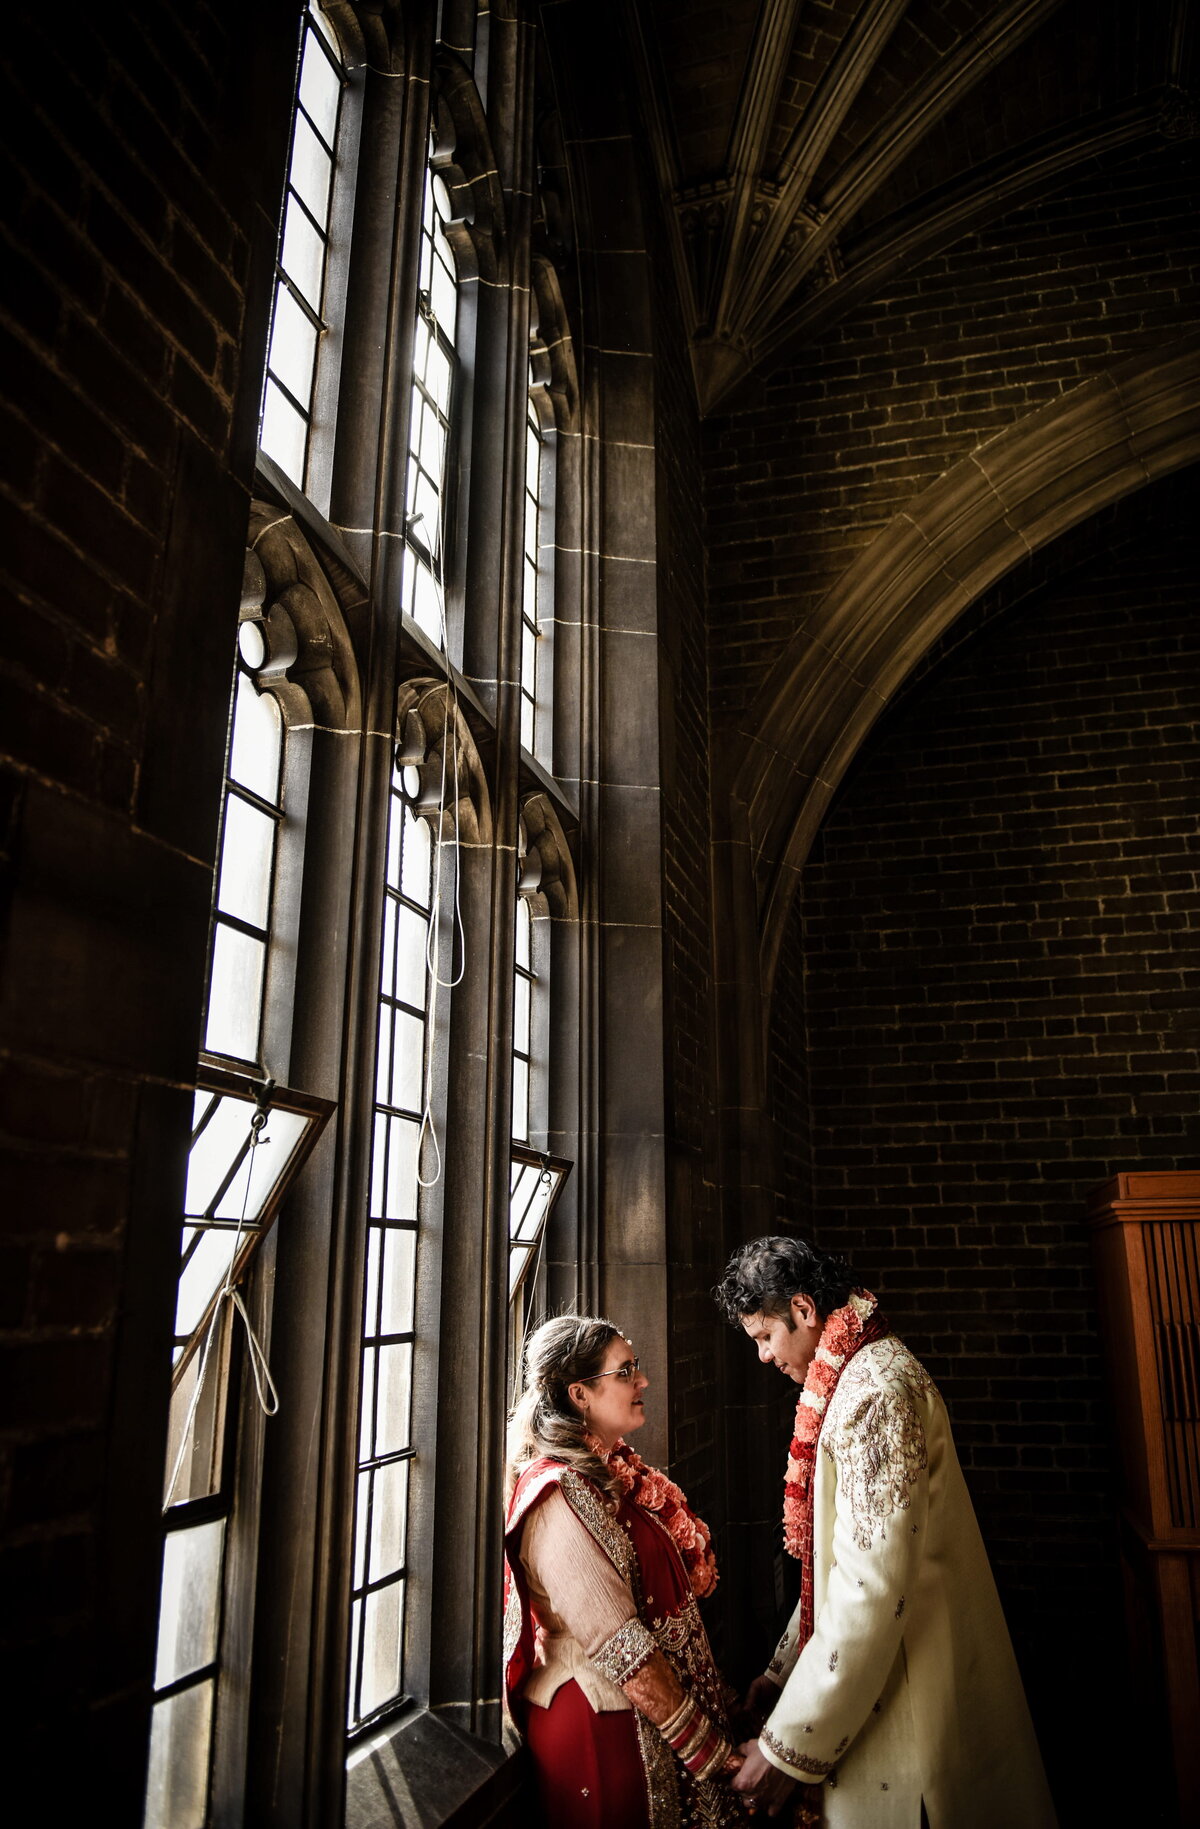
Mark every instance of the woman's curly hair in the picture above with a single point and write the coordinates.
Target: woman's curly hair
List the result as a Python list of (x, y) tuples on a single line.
[(762, 1277)]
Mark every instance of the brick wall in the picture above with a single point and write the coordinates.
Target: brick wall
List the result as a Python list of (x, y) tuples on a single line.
[(999, 927), (143, 146), (819, 455)]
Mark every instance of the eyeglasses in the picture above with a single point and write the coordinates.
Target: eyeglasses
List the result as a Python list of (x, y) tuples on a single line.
[(624, 1372)]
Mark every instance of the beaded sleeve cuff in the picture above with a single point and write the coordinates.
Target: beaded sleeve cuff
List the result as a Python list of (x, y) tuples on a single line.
[(624, 1654)]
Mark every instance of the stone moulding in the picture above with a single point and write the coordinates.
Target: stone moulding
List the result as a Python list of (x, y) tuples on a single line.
[(1062, 464)]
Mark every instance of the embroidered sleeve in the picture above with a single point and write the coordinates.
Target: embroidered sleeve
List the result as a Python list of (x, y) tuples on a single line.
[(623, 1655), (783, 1658)]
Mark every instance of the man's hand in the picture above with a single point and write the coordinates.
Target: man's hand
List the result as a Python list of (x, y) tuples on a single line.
[(762, 1781), (760, 1698)]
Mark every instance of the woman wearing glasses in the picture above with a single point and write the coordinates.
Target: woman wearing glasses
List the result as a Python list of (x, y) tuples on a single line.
[(608, 1670)]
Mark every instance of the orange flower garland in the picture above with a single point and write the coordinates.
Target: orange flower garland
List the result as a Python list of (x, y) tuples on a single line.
[(654, 1492)]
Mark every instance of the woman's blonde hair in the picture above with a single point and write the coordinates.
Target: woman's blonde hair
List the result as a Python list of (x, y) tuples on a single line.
[(544, 1421)]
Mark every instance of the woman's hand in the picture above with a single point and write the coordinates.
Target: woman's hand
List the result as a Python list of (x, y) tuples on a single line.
[(761, 1781)]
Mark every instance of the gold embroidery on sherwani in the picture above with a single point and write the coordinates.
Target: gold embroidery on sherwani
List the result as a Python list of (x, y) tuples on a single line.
[(816, 1768), (880, 1449), (623, 1655)]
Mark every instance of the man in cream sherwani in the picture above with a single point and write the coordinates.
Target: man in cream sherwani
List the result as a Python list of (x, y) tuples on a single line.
[(905, 1704)]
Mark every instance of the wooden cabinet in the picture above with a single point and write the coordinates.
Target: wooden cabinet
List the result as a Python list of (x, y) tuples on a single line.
[(1146, 1238)]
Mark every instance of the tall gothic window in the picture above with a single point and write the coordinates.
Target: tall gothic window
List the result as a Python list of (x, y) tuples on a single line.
[(385, 1433), (249, 1138), (407, 1153)]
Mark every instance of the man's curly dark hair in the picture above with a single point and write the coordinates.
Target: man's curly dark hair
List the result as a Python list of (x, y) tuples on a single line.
[(762, 1277)]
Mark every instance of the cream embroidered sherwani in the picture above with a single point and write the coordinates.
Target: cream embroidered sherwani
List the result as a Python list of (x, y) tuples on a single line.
[(908, 1688)]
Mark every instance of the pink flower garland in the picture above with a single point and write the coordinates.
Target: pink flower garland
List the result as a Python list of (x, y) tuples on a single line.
[(652, 1490)]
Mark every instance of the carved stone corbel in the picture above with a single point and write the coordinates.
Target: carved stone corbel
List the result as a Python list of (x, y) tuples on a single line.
[(547, 869), (309, 655), (442, 770)]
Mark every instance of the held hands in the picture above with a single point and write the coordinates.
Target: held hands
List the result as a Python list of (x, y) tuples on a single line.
[(759, 1782)]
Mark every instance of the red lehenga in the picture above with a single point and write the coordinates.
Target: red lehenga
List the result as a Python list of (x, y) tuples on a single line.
[(614, 1769)]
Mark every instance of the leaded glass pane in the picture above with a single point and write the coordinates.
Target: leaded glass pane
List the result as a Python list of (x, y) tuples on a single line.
[(293, 346), (394, 1372), (399, 1261), (257, 743), (311, 168), (235, 994), (177, 1782), (303, 253), (381, 1630), (319, 89), (284, 434), (389, 1512), (247, 853)]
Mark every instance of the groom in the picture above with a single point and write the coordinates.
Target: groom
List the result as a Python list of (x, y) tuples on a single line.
[(893, 1696)]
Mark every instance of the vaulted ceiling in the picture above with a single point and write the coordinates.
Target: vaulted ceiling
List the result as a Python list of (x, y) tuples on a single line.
[(809, 149)]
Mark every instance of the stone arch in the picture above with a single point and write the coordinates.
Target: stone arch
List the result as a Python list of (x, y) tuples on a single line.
[(1055, 468)]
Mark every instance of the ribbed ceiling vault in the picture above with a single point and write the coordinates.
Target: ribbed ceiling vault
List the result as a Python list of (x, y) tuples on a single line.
[(808, 149)]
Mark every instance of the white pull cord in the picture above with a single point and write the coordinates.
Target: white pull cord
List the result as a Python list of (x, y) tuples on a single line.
[(264, 1384)]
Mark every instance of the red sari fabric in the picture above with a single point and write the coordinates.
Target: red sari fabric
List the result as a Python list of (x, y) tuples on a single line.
[(569, 1738), (587, 1767)]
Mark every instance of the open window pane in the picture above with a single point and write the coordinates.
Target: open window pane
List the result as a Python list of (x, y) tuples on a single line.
[(215, 1148), (195, 1473), (202, 1276), (258, 1176), (191, 1596)]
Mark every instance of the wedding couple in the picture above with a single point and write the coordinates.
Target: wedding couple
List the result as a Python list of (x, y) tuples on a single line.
[(893, 1700)]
